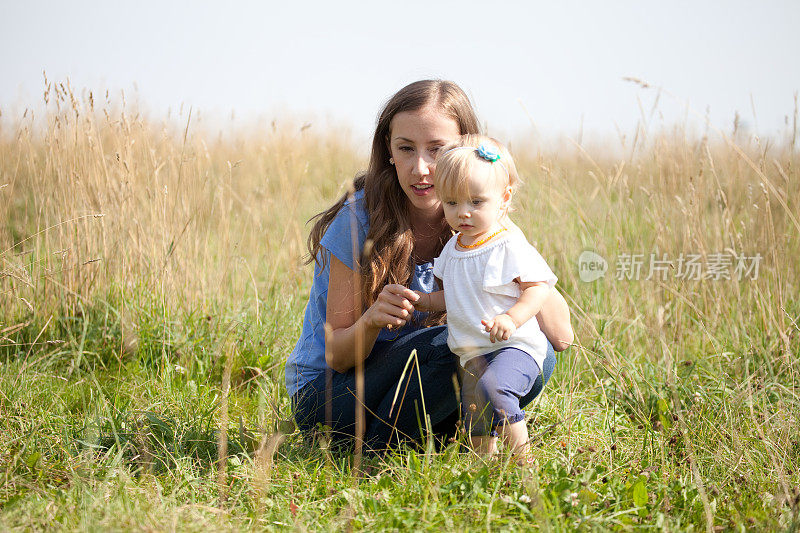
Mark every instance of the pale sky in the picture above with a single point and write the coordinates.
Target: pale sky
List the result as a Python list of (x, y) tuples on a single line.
[(337, 62)]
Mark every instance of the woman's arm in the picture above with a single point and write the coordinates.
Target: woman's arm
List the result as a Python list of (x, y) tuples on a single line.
[(554, 321), (354, 333)]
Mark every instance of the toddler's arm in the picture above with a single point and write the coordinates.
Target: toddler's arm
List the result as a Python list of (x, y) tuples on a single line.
[(430, 301), (530, 302)]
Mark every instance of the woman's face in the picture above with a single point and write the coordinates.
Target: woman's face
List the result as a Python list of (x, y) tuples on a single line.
[(414, 139)]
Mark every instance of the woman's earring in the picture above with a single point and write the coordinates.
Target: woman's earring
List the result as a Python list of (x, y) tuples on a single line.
[(391, 161)]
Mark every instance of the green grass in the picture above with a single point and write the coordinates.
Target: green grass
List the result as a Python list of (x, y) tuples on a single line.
[(132, 443), (675, 410)]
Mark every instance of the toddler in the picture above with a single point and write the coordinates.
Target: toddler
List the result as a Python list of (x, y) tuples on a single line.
[(494, 283)]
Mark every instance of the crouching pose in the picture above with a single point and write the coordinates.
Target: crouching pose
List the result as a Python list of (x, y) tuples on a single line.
[(373, 252)]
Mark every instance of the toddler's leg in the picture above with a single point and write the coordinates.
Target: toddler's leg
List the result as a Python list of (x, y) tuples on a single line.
[(476, 412), (508, 376), (485, 445), (515, 437)]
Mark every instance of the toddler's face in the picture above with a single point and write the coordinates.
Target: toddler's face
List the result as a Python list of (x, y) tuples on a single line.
[(479, 211)]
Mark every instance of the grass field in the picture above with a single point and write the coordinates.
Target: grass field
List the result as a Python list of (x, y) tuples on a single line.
[(152, 286)]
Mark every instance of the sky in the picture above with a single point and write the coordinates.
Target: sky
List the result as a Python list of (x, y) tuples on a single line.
[(553, 67)]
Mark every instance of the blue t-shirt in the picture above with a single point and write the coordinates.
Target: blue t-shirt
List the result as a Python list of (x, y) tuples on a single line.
[(307, 360)]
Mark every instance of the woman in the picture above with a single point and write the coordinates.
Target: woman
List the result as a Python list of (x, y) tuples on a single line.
[(372, 249)]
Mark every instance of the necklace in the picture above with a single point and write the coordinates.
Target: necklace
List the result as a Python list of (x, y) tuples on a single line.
[(476, 244)]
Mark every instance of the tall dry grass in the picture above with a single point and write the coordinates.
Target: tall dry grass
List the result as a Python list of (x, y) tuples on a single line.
[(97, 197), (104, 205)]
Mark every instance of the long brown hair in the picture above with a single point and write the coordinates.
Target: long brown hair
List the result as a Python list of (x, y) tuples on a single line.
[(389, 256)]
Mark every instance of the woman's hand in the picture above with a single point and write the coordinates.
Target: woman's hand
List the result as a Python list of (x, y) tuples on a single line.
[(352, 334), (392, 308), (500, 328)]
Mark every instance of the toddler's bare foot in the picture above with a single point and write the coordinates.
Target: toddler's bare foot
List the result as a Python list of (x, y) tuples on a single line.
[(524, 459)]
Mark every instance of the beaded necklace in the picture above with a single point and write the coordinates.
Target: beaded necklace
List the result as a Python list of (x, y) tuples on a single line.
[(476, 244)]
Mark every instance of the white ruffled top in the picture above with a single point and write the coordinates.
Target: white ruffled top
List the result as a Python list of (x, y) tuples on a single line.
[(479, 284)]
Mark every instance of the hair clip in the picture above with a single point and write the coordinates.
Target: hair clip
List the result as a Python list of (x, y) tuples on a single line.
[(484, 151), (488, 153)]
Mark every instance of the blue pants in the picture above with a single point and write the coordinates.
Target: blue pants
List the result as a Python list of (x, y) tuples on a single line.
[(496, 387), (331, 398)]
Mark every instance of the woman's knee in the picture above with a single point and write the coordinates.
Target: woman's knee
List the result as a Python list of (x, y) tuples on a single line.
[(431, 349), (428, 340), (549, 364)]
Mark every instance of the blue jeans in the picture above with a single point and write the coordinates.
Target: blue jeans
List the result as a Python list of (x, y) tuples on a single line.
[(331, 398)]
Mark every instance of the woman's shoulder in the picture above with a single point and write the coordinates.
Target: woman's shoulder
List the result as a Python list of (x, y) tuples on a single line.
[(355, 202), (356, 198), (338, 237), (354, 206)]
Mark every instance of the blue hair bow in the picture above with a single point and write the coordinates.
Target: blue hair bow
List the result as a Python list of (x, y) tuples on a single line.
[(488, 153)]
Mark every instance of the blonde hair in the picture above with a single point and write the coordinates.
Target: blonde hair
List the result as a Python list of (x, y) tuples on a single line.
[(455, 161)]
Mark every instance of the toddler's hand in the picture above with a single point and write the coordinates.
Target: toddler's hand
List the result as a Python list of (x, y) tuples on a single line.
[(423, 301), (500, 328)]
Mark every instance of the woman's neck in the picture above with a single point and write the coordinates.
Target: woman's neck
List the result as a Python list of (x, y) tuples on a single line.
[(426, 224), (426, 228)]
